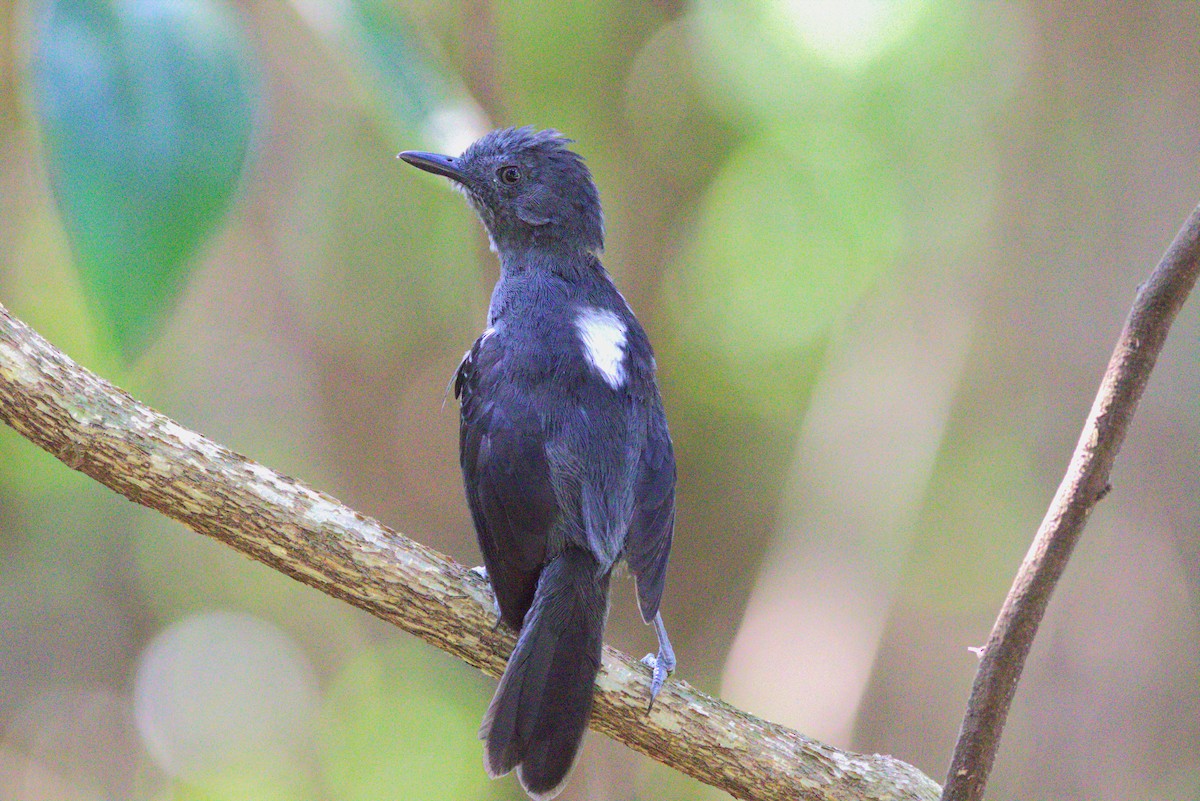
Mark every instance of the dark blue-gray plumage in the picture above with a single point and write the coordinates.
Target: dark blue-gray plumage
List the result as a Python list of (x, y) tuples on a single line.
[(565, 453)]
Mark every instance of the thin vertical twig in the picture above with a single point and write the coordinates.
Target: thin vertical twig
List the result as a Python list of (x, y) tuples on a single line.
[(1086, 481)]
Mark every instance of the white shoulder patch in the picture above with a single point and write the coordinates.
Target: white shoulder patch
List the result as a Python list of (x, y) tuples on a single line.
[(603, 336)]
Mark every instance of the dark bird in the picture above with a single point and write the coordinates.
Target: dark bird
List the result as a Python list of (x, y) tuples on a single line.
[(564, 447)]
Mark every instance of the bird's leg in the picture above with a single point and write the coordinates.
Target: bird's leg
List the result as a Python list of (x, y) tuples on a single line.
[(663, 664), (481, 571)]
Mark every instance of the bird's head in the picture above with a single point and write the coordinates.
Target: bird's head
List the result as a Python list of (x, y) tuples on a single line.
[(528, 188)]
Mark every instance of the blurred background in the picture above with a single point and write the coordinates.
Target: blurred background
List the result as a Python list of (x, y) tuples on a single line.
[(883, 251)]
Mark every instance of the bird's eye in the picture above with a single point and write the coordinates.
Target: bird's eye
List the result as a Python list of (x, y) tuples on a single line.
[(509, 174)]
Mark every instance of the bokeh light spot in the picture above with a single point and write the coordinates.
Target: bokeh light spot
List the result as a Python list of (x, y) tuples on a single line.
[(216, 687), (850, 34)]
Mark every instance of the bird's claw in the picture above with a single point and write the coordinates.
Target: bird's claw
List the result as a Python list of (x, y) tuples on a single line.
[(661, 666), (481, 571)]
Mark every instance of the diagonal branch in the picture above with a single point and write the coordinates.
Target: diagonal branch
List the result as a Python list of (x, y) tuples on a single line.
[(100, 430), (1085, 483)]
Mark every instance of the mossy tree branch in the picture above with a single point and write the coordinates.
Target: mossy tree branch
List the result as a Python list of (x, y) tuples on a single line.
[(99, 430)]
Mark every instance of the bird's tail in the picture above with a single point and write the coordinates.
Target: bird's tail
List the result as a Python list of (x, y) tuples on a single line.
[(539, 713)]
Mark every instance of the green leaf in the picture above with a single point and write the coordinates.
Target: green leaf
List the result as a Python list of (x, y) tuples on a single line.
[(406, 73), (148, 111), (398, 75)]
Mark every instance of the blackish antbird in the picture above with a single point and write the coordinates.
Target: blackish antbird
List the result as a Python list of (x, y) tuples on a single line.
[(564, 446)]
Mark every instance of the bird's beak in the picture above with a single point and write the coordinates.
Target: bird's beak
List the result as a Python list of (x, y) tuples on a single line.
[(436, 164)]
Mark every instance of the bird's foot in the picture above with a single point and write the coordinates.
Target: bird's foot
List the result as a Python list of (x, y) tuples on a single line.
[(481, 571), (659, 671), (661, 664)]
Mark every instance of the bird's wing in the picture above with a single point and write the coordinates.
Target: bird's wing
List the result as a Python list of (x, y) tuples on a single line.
[(507, 480), (648, 546)]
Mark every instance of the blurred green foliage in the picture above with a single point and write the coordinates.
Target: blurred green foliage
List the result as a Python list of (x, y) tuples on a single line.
[(881, 249), (351, 227), (382, 703)]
